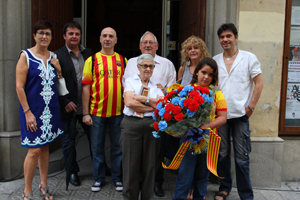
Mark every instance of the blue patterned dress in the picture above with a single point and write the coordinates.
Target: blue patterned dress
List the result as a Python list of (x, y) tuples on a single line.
[(41, 94)]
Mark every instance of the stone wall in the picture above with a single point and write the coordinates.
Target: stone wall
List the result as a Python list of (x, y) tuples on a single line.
[(15, 35)]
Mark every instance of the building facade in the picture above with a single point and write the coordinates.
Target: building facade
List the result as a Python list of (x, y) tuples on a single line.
[(265, 27)]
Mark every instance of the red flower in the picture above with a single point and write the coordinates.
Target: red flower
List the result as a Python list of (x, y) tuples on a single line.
[(179, 116), (156, 112), (198, 99), (167, 116), (169, 107), (169, 95), (179, 89), (187, 102), (204, 90), (193, 106), (194, 93), (155, 124), (176, 110)]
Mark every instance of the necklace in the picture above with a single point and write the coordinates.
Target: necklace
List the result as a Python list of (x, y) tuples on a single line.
[(228, 58)]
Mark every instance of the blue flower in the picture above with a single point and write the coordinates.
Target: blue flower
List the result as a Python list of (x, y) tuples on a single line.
[(159, 106), (204, 96), (188, 88), (155, 134), (190, 113), (175, 101), (182, 93), (210, 91), (161, 112), (185, 89), (209, 99), (153, 116), (162, 125), (181, 102)]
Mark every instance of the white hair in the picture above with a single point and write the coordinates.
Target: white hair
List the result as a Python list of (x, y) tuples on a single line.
[(148, 32), (145, 56)]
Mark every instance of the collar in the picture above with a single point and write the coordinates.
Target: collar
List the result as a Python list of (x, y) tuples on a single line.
[(137, 77), (81, 48)]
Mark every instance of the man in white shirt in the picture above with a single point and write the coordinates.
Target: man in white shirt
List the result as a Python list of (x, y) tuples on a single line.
[(164, 75), (238, 70)]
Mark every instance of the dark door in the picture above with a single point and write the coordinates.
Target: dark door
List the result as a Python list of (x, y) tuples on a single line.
[(58, 12), (192, 19)]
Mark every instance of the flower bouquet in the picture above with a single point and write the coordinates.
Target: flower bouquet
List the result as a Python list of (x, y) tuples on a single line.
[(181, 113)]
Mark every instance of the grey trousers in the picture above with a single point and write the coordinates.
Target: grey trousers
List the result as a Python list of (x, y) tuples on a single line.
[(140, 150)]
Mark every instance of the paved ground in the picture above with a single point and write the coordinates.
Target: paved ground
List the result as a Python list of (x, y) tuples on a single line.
[(12, 190)]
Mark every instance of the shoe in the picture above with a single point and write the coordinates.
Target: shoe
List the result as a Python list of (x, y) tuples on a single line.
[(74, 180), (44, 192), (97, 186), (159, 191), (28, 197), (119, 186)]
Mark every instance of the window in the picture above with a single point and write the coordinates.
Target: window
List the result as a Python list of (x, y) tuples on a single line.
[(290, 89)]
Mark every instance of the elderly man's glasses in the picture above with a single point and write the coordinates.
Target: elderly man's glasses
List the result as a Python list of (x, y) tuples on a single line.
[(146, 66), (42, 33), (148, 42)]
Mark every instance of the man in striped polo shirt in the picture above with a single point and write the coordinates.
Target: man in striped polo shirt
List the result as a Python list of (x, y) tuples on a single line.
[(103, 105)]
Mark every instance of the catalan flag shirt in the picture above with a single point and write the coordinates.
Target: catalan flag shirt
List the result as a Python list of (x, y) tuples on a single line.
[(219, 105), (105, 78)]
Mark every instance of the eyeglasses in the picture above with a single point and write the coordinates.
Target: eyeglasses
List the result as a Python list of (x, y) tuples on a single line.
[(42, 33), (146, 66), (150, 42)]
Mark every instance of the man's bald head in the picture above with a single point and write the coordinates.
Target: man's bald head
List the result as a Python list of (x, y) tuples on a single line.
[(108, 39)]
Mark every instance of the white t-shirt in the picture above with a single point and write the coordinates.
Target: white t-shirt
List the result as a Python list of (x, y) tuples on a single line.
[(164, 71), (237, 86), (134, 84)]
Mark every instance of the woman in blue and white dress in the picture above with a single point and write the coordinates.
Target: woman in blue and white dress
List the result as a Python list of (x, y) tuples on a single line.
[(36, 74)]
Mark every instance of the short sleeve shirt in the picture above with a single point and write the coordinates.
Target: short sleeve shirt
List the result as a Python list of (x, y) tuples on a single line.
[(106, 84), (237, 85)]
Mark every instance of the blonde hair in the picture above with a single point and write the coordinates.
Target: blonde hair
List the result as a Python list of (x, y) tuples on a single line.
[(193, 40)]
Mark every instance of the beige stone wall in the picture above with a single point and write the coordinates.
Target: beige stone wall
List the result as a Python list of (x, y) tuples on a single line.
[(261, 31)]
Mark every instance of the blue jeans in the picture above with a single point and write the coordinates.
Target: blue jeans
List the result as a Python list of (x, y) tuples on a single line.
[(239, 128), (97, 132), (67, 123), (192, 167)]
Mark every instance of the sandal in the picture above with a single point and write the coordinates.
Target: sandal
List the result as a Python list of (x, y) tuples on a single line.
[(221, 195), (44, 192), (28, 197)]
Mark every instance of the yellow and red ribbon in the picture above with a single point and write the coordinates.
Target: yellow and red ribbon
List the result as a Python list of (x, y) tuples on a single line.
[(212, 153)]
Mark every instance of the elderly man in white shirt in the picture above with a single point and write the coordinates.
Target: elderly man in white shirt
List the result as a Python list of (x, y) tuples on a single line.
[(238, 70), (164, 75)]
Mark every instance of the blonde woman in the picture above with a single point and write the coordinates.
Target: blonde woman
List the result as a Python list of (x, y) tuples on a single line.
[(193, 49)]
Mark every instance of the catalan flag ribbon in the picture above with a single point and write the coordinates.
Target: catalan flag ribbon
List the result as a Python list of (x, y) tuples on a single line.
[(212, 153), (178, 157)]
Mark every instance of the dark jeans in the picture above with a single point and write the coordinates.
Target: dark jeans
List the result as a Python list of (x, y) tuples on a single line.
[(67, 123), (239, 128), (193, 169), (97, 132)]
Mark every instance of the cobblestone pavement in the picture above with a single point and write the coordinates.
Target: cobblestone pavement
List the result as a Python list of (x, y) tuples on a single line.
[(12, 190), (288, 190)]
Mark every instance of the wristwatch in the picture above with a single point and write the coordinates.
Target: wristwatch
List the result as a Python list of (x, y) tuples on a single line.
[(148, 101)]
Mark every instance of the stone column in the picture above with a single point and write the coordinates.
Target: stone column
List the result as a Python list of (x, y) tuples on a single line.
[(15, 35), (217, 13)]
